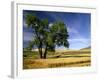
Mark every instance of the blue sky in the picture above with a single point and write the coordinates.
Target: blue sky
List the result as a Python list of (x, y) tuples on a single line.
[(78, 25)]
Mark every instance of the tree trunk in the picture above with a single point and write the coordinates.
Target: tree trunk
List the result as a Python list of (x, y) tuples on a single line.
[(45, 53), (40, 52)]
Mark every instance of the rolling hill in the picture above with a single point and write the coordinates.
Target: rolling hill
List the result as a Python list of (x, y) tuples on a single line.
[(87, 48)]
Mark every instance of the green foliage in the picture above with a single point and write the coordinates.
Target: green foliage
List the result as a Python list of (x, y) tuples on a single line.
[(46, 36), (60, 34), (30, 19)]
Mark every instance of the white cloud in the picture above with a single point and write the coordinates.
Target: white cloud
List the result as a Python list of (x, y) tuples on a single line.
[(74, 33), (83, 41), (27, 36), (79, 43), (72, 30), (24, 23), (50, 24)]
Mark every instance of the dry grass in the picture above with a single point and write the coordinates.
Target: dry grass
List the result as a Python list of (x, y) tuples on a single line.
[(60, 62), (79, 58)]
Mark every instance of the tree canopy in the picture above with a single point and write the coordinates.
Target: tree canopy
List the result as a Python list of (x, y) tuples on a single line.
[(46, 35)]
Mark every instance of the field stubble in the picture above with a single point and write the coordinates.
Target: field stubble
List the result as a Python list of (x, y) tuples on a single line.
[(79, 58)]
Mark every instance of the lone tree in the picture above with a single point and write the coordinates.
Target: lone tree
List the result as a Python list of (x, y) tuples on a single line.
[(46, 35)]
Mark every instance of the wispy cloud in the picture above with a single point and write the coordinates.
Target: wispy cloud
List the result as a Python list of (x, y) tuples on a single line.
[(27, 36), (83, 41), (79, 43), (24, 23), (77, 40), (72, 30), (74, 33)]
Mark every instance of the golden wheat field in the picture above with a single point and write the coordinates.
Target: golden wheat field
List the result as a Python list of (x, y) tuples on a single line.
[(70, 58)]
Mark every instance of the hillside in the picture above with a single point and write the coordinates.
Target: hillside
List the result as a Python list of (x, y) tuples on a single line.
[(87, 48)]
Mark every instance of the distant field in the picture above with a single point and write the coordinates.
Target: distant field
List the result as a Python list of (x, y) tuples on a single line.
[(68, 58)]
